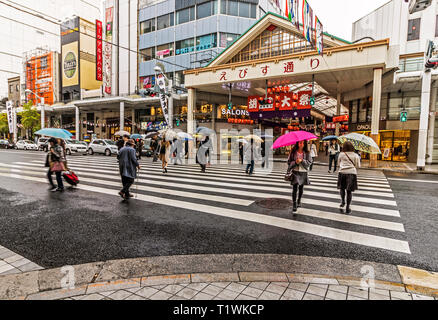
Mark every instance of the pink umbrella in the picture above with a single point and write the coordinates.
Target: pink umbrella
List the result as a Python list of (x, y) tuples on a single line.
[(292, 138)]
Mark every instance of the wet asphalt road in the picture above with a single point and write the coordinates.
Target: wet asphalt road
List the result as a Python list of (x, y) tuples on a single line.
[(79, 226)]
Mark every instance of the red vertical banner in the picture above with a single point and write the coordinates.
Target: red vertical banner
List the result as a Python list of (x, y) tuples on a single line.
[(99, 52), (304, 100)]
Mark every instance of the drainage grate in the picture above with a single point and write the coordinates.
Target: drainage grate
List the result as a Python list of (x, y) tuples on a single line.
[(277, 204)]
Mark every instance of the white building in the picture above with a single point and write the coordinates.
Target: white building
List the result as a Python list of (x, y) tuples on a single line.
[(410, 25), (27, 25)]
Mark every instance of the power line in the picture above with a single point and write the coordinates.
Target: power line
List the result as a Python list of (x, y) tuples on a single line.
[(94, 37)]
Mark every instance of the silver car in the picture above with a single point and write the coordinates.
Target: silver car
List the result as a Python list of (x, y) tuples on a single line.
[(26, 145), (74, 146), (105, 146)]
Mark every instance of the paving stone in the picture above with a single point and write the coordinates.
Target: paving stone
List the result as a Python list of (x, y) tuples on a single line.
[(93, 296), (6, 268), (221, 284), (302, 278), (275, 288), (203, 296), (197, 286), (358, 293), (58, 294), (401, 295), (173, 288), (12, 271), (259, 285), (15, 286), (382, 292), (245, 297), (132, 290), (161, 295), (107, 293), (338, 288), (30, 267), (20, 262), (135, 297), (236, 287), (187, 293), (2, 263), (146, 292), (333, 295), (244, 283), (263, 276), (227, 295), (212, 290), (169, 279), (309, 296), (266, 295), (178, 298), (354, 298), (312, 289), (13, 258), (160, 286), (215, 277), (376, 296), (6, 254), (299, 286), (252, 292), (421, 297), (323, 286), (291, 294), (120, 295), (389, 286)]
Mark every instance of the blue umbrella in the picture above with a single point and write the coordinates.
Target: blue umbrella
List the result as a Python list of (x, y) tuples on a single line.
[(328, 138), (136, 136), (55, 133)]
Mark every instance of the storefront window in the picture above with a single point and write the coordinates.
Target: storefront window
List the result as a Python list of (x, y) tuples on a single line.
[(185, 46), (395, 145), (165, 50), (395, 106), (363, 111), (354, 105), (179, 78), (206, 42), (412, 103)]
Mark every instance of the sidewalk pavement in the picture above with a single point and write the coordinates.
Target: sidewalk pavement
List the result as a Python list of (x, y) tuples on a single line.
[(224, 277)]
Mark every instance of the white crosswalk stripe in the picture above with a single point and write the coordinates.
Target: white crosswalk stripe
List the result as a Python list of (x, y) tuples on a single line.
[(226, 191)]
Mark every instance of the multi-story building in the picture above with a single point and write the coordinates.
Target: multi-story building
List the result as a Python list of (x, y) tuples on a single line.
[(408, 25), (27, 25), (14, 91)]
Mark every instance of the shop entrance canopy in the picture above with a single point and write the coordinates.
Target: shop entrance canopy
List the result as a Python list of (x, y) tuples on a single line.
[(273, 52)]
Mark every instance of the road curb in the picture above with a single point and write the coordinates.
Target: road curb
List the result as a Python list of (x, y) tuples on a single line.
[(128, 273)]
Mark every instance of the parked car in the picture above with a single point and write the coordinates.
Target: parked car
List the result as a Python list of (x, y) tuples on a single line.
[(25, 145), (75, 146), (147, 150), (43, 144), (5, 144), (105, 146)]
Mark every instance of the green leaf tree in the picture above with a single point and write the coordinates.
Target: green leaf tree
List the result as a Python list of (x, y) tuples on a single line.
[(4, 126), (30, 119)]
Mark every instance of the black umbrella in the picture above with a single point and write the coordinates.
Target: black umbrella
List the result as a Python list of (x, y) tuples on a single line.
[(151, 134)]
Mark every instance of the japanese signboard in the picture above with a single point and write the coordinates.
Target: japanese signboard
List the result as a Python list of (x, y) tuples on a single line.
[(304, 100), (11, 116), (99, 52), (163, 99), (108, 50)]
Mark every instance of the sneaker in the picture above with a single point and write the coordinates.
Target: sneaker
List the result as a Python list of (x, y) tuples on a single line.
[(348, 211), (53, 188), (342, 204), (58, 190), (122, 194)]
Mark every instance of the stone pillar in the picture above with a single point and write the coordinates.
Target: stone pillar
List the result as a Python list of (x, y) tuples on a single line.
[(133, 121), (191, 108), (170, 106), (43, 116), (77, 121), (431, 134), (122, 116), (338, 113), (213, 116), (424, 120), (375, 117)]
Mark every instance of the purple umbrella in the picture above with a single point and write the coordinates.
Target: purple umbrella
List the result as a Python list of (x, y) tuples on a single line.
[(292, 138)]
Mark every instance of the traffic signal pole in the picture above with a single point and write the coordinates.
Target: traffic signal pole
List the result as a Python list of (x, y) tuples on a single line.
[(424, 120)]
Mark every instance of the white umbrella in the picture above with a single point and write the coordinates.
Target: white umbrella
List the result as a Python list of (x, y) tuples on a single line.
[(242, 141), (168, 134), (185, 136), (122, 133)]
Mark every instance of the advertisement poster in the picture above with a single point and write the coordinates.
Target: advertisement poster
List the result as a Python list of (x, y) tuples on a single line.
[(11, 116), (99, 51), (70, 62), (163, 99), (108, 50)]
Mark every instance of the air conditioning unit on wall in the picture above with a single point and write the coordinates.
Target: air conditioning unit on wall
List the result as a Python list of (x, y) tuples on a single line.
[(418, 5)]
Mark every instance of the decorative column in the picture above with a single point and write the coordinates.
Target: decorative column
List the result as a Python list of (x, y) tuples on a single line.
[(133, 120), (77, 121), (122, 116), (375, 117), (424, 120), (191, 108), (338, 113), (432, 118)]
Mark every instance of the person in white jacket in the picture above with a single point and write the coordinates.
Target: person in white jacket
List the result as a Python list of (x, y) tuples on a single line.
[(349, 162), (313, 153)]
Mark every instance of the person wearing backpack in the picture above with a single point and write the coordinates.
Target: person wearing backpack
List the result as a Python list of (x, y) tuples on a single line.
[(349, 161)]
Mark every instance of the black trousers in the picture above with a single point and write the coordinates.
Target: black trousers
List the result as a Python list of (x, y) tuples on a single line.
[(127, 183), (297, 191), (58, 179), (332, 159), (349, 197)]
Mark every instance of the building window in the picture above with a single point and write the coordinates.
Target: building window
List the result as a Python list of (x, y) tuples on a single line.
[(185, 46), (436, 27), (165, 21), (414, 29), (241, 9), (147, 54), (147, 26), (226, 39), (43, 63), (206, 42), (165, 50), (354, 105), (11, 88), (17, 88), (185, 15), (206, 9)]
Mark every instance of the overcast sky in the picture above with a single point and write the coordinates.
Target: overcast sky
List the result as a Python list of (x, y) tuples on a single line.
[(337, 16)]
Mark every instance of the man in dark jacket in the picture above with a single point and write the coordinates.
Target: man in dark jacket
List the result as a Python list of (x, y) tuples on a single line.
[(128, 166), (121, 142)]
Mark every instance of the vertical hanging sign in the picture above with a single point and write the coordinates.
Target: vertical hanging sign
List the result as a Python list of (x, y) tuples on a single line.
[(108, 50), (319, 35), (163, 99), (10, 115), (99, 52)]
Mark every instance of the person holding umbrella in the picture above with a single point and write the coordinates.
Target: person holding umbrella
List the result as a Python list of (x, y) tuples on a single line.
[(122, 141), (334, 151), (299, 162), (349, 161), (128, 166), (56, 165)]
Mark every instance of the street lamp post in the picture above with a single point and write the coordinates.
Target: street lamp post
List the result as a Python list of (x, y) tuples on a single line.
[(41, 104)]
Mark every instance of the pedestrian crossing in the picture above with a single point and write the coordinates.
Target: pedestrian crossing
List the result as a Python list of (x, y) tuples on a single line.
[(225, 190)]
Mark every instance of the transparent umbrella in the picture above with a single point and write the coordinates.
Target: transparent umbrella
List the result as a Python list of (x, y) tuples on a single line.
[(361, 142)]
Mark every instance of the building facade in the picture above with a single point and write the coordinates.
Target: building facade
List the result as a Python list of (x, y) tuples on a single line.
[(14, 91), (410, 28)]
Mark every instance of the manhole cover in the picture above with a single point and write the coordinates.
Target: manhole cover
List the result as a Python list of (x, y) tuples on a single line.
[(274, 203)]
